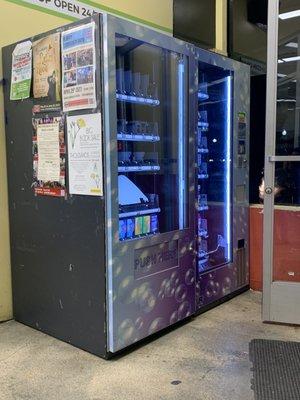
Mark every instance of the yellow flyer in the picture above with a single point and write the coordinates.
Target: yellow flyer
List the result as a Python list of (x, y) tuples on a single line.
[(85, 154)]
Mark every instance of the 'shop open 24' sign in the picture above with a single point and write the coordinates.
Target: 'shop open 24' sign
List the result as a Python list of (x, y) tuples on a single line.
[(73, 8), (82, 9)]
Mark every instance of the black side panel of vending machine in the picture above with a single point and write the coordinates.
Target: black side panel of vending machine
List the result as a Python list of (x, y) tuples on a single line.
[(57, 244)]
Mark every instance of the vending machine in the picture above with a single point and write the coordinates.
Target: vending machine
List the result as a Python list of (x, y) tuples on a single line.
[(114, 250), (222, 174)]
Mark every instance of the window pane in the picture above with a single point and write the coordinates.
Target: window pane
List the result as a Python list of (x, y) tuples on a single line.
[(288, 83)]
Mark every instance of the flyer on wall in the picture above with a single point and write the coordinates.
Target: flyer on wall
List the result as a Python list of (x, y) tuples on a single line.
[(78, 68), (84, 135), (49, 155), (46, 73), (21, 71)]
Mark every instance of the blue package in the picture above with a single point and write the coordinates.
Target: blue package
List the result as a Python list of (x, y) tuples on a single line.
[(154, 224), (130, 228), (122, 229)]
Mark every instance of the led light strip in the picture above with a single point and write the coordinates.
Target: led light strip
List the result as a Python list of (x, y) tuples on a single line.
[(181, 145), (290, 59), (290, 14), (228, 166)]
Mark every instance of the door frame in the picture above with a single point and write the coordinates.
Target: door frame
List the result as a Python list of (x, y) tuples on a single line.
[(280, 298)]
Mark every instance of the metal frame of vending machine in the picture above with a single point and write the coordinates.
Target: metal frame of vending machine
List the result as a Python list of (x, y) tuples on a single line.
[(147, 120), (222, 89)]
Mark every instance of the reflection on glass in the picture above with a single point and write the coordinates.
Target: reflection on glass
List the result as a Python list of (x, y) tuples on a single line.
[(288, 83), (286, 185), (214, 166), (151, 91), (287, 174)]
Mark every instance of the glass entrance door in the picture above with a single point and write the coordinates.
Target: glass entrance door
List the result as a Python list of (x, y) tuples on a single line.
[(280, 187)]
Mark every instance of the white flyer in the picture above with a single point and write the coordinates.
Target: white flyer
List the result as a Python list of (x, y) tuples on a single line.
[(48, 152), (79, 68), (85, 154), (21, 71)]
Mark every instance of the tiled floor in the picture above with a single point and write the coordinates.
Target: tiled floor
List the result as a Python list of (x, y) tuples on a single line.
[(206, 359)]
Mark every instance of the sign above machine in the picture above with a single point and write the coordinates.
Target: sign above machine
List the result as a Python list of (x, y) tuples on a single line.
[(73, 8)]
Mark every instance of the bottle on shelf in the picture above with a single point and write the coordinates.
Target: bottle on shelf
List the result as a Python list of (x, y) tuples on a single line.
[(202, 173), (202, 120), (202, 202), (202, 227), (136, 84), (143, 131), (145, 79), (135, 87), (203, 248), (202, 144), (153, 89), (128, 82), (202, 88), (120, 81)]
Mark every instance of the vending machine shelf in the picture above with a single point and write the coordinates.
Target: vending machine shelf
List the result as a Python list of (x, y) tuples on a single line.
[(139, 236), (203, 125), (138, 168), (203, 151), (139, 212), (147, 137), (138, 100)]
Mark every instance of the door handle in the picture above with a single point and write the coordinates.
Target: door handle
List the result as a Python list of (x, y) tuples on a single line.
[(268, 190)]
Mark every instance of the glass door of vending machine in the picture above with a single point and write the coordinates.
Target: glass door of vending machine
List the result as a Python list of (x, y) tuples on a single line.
[(222, 136), (150, 224), (214, 173)]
